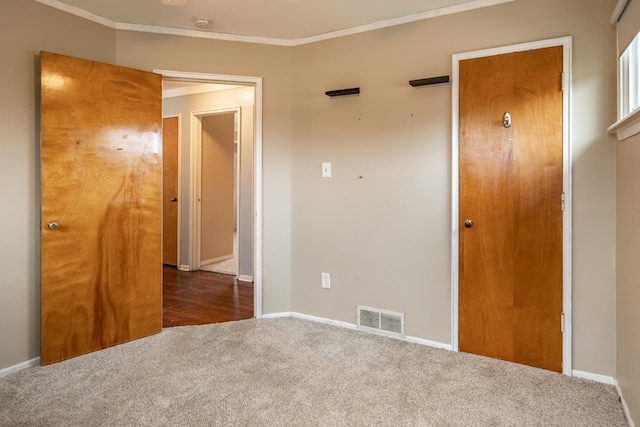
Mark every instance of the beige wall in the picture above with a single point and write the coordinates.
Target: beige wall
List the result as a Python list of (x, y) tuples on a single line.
[(274, 64), (244, 98), (628, 246), (26, 28), (217, 187), (386, 238), (628, 272)]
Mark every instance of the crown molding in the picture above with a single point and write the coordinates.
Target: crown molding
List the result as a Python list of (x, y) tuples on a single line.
[(464, 7)]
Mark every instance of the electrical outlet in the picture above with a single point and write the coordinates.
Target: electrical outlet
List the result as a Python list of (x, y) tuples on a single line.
[(326, 280)]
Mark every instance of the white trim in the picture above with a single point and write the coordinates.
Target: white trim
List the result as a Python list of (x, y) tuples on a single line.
[(196, 89), (429, 343), (566, 43), (449, 10), (625, 407), (245, 278), (604, 379), (354, 327), (19, 367), (204, 34), (195, 148), (626, 127), (311, 318), (463, 7), (183, 267), (618, 11), (218, 259), (257, 155)]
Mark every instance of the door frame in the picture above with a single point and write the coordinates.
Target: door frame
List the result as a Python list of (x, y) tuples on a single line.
[(566, 43), (179, 177), (195, 227), (256, 82)]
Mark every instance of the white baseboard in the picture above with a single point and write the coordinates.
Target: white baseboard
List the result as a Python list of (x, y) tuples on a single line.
[(244, 278), (19, 367), (348, 325), (593, 377), (429, 343), (183, 267), (217, 259), (625, 408)]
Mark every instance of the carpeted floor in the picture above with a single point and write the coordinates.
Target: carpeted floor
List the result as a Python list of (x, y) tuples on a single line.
[(292, 372)]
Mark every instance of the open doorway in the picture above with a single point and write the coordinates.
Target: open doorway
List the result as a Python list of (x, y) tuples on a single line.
[(196, 101), (217, 223)]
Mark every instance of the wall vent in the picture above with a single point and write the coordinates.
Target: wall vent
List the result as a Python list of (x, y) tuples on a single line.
[(380, 321)]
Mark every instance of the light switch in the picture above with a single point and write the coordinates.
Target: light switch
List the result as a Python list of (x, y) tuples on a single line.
[(326, 280), (326, 169)]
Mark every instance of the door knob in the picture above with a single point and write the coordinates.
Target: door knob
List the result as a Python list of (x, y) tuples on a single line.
[(468, 223), (173, 199), (53, 225)]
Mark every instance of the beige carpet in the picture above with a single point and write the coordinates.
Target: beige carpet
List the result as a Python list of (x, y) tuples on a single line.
[(291, 372)]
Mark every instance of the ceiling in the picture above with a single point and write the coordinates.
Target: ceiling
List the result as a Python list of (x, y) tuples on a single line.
[(285, 22)]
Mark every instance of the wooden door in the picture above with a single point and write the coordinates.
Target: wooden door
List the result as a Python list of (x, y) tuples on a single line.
[(510, 258), (170, 190), (100, 165)]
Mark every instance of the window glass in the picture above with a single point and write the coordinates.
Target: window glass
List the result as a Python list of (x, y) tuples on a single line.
[(629, 78)]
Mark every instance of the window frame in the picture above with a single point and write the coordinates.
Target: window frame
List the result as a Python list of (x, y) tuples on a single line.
[(628, 123)]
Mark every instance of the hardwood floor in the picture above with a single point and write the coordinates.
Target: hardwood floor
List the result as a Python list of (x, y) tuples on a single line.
[(201, 297)]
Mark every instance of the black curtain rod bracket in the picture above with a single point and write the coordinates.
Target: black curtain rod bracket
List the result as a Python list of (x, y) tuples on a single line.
[(343, 92), (429, 81)]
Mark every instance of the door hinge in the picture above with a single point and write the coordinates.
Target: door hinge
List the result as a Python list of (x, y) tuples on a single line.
[(563, 81), (562, 202), (562, 322)]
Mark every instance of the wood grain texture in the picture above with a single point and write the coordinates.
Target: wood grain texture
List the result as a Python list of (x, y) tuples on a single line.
[(201, 297), (510, 268), (170, 190), (101, 181)]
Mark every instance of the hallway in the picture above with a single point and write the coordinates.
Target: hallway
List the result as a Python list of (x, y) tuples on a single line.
[(201, 297)]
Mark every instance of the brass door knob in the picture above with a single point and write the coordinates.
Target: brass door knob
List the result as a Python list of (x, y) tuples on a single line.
[(468, 223), (53, 225)]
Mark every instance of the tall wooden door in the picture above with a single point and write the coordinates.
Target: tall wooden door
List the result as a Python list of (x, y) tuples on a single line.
[(510, 207), (101, 166), (170, 190)]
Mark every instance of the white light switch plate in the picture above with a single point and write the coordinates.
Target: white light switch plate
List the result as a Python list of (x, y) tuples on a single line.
[(326, 169), (326, 280)]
